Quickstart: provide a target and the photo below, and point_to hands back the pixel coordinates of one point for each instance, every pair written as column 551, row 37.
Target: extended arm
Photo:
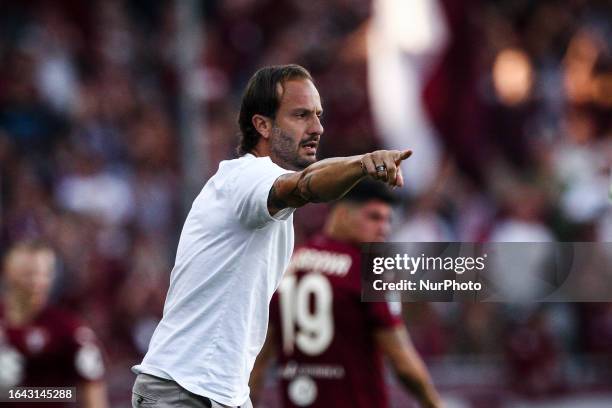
column 396, row 345
column 330, row 179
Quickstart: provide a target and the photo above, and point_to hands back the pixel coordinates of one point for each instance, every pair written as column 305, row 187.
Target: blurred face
column 369, row 222
column 297, row 127
column 30, row 274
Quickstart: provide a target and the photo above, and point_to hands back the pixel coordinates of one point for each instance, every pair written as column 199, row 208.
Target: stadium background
column 114, row 113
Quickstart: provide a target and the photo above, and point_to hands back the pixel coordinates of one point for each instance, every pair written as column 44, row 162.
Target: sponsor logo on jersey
column 321, row 371
column 302, row 391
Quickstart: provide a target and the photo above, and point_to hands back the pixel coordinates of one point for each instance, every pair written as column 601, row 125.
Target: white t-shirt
column 230, row 258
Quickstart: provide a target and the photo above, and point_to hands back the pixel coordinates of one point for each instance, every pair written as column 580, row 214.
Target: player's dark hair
column 261, row 97
column 367, row 190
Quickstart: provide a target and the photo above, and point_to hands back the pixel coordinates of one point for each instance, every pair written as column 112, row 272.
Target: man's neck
column 260, row 150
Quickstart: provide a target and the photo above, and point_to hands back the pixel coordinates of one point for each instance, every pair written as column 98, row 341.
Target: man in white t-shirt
column 237, row 241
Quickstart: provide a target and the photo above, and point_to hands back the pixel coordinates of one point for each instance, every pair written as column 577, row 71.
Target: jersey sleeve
column 252, row 184
column 87, row 357
column 383, row 315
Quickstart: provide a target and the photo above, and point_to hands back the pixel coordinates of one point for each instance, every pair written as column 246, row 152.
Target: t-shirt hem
column 284, row 214
column 141, row 369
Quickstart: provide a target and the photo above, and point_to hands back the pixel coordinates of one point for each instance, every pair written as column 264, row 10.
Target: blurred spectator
column 40, row 345
column 534, row 357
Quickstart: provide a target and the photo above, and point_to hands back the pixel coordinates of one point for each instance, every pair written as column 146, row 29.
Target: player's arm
column 263, row 360
column 88, row 366
column 397, row 346
column 93, row 394
column 330, row 179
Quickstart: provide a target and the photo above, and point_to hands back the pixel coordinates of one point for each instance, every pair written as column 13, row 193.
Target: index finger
column 404, row 155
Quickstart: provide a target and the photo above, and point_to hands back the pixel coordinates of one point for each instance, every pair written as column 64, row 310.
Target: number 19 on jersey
column 310, row 329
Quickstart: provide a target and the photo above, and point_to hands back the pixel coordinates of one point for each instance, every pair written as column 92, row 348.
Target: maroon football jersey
column 327, row 353
column 54, row 350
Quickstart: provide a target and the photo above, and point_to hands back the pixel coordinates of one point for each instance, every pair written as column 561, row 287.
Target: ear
column 263, row 125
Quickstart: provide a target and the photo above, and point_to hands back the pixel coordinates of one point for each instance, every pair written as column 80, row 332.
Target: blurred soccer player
column 330, row 344
column 41, row 345
column 238, row 239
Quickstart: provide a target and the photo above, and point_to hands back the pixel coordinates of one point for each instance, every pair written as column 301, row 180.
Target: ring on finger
column 381, row 168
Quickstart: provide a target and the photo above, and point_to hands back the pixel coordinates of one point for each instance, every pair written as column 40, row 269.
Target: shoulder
column 262, row 164
column 246, row 169
column 248, row 161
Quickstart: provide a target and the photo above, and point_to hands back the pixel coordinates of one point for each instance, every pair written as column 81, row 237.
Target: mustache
column 310, row 139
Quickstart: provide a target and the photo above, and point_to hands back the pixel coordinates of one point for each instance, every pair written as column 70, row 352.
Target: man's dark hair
column 367, row 190
column 261, row 98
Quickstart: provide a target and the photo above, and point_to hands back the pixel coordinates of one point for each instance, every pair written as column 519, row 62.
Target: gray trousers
column 155, row 392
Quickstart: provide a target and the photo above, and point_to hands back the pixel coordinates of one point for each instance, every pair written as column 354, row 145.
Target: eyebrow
column 306, row 110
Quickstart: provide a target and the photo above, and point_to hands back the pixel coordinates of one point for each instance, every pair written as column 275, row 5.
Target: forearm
column 413, row 374
column 258, row 375
column 330, row 179
column 263, row 360
column 256, row 382
column 94, row 395
column 422, row 389
column 408, row 365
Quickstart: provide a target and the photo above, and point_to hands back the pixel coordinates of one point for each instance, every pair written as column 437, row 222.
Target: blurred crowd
column 520, row 99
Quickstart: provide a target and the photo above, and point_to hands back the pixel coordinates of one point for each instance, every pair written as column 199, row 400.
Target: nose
column 40, row 285
column 316, row 128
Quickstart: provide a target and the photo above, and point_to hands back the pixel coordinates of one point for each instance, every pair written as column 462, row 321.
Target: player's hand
column 384, row 165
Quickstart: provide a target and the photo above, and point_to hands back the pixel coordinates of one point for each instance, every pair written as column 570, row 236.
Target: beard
column 284, row 147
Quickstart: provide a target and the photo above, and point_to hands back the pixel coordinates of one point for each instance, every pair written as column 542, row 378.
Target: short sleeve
column 383, row 315
column 88, row 360
column 252, row 184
